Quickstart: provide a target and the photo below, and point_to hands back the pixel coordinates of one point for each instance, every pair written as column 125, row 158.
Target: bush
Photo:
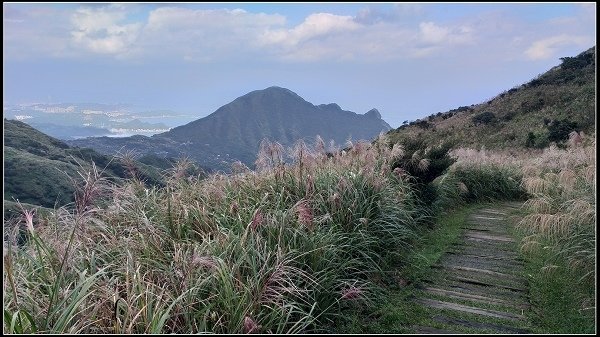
column 510, row 115
column 577, row 62
column 484, row 118
column 423, row 164
column 530, row 141
column 477, row 184
column 559, row 130
column 538, row 141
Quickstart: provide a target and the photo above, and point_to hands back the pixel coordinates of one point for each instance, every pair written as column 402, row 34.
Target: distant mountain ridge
column 235, row 130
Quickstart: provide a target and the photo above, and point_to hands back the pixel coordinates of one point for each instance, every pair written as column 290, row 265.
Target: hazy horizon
column 408, row 61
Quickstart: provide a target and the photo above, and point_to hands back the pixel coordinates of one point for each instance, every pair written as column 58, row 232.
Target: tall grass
column 276, row 250
column 558, row 185
column 560, row 235
column 478, row 176
column 561, row 212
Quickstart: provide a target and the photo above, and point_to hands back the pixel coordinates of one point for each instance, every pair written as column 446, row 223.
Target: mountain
column 235, row 130
column 544, row 110
column 37, row 167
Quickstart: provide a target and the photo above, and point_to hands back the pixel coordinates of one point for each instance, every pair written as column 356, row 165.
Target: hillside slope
column 37, row 167
column 534, row 114
column 235, row 130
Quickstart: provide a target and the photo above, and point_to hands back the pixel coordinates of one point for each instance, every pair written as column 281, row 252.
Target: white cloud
column 399, row 13
column 203, row 35
column 376, row 33
column 326, row 36
column 314, row 25
column 431, row 33
column 102, row 31
column 548, row 47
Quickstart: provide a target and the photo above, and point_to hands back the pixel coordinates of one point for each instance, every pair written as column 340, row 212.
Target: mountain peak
column 271, row 93
column 330, row 106
column 235, row 130
column 277, row 90
column 373, row 113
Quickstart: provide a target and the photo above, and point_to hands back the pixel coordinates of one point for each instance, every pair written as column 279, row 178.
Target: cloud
column 548, row 47
column 102, row 31
column 33, row 32
column 325, row 36
column 137, row 33
column 314, row 25
column 399, row 13
column 204, row 35
column 431, row 33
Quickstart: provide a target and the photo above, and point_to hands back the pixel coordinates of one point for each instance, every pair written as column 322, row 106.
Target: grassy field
column 331, row 243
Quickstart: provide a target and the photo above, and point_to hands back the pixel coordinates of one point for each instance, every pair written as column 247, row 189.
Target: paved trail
column 477, row 285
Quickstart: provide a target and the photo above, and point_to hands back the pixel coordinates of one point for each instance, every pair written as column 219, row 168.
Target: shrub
column 423, row 164
column 577, row 62
column 484, row 118
column 530, row 141
column 510, row 115
column 489, row 182
column 559, row 130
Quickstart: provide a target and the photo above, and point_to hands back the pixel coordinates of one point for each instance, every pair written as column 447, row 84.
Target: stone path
column 477, row 286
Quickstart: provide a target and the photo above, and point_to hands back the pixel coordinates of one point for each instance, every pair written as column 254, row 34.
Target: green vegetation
column 559, row 229
column 484, row 118
column 422, row 164
column 333, row 243
column 280, row 250
column 42, row 170
column 467, row 183
column 563, row 305
column 393, row 310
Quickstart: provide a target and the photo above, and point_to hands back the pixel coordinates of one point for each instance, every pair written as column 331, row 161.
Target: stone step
column 473, row 310
column 486, row 217
column 485, row 254
column 475, row 261
column 486, row 229
column 476, row 298
column 485, row 283
column 477, row 289
column 502, row 329
column 426, row 330
column 479, row 272
column 483, row 270
column 490, row 237
column 489, row 210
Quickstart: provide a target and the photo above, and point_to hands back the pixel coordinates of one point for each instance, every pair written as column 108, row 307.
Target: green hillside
column 37, row 167
column 544, row 110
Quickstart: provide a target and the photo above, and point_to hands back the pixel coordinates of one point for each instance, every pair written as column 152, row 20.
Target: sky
column 406, row 60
